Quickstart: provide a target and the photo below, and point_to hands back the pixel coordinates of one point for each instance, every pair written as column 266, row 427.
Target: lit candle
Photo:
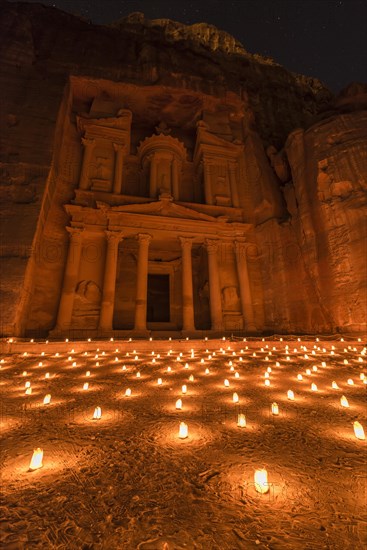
column 128, row 392
column 87, row 373
column 24, row 373
column 28, row 391
column 184, row 388
column 85, row 385
column 183, row 431
column 308, row 371
column 290, row 395
column 313, row 387
column 47, row 375
column 344, row 401
column 334, row 385
column 207, row 371
column 226, row 383
column 299, row 377
column 241, row 421
column 274, row 409
column 358, row 430
column 138, row 374
column 179, row 404
column 159, row 381
column 47, row 399
column 236, row 374
column 97, row 413
column 235, row 398
column 27, row 384
column 267, row 382
column 350, row 382
column 36, row 460
column 191, row 377
column 261, row 481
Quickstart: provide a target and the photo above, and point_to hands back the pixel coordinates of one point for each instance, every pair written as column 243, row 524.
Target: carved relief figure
column 86, row 304
column 231, row 299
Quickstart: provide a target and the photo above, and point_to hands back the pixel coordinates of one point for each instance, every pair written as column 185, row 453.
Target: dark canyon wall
column 303, row 183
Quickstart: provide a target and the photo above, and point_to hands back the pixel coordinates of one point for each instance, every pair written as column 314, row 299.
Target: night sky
column 320, row 38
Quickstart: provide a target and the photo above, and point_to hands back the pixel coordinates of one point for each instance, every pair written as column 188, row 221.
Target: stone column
column 70, row 278
column 175, row 179
column 109, row 281
column 233, row 183
column 119, row 160
column 142, row 283
column 87, row 157
column 153, row 178
column 208, row 182
column 214, row 285
column 245, row 289
column 187, row 288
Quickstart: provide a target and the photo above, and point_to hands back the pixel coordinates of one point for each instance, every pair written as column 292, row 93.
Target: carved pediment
column 165, row 208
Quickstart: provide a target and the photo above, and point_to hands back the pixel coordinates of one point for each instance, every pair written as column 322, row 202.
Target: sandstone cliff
column 308, row 272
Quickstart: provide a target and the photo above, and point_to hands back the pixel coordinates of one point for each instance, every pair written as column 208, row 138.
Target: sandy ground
column 127, row 481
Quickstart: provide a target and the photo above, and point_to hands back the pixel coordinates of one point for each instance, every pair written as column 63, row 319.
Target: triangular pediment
column 164, row 208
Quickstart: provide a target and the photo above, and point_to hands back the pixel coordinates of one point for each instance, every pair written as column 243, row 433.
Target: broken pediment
column 164, row 207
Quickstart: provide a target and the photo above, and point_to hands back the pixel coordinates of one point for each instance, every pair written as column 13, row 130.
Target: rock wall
column 308, row 270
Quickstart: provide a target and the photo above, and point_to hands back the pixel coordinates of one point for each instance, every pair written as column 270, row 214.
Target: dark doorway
column 158, row 299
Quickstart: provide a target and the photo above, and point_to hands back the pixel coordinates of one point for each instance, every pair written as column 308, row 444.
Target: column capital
column 186, row 241
column 119, row 146
column 212, row 245
column 87, row 141
column 74, row 232
column 144, row 238
column 114, row 236
column 241, row 246
column 233, row 164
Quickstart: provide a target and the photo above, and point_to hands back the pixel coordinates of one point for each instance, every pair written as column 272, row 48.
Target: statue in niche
column 323, row 181
column 231, row 298
column 87, row 304
column 103, row 168
column 279, row 163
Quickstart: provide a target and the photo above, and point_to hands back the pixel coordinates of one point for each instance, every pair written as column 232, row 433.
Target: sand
column 127, row 481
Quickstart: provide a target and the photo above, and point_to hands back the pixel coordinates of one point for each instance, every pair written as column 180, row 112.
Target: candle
column 183, row 431
column 226, row 383
column 47, row 399
column 274, row 409
column 358, row 430
column 97, row 413
column 299, row 377
column 290, row 395
column 128, row 392
column 235, row 398
column 241, row 421
column 159, row 381
column 179, row 404
column 36, row 460
column 261, row 481
column 85, row 386
column 344, row 401
column 334, row 385
column 184, row 388
column 313, row 387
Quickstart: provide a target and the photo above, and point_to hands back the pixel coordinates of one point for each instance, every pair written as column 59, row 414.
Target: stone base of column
column 250, row 329
column 190, row 333
column 140, row 333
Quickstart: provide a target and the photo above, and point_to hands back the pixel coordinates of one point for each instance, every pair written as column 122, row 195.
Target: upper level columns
column 109, row 282
column 215, row 297
column 233, row 183
column 208, row 182
column 187, row 287
column 119, row 159
column 70, row 278
column 245, row 289
column 87, row 157
column 142, row 282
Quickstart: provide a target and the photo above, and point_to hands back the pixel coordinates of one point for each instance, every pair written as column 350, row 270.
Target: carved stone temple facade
column 156, row 178
column 149, row 251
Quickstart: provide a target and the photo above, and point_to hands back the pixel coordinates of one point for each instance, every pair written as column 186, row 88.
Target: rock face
column 290, row 179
